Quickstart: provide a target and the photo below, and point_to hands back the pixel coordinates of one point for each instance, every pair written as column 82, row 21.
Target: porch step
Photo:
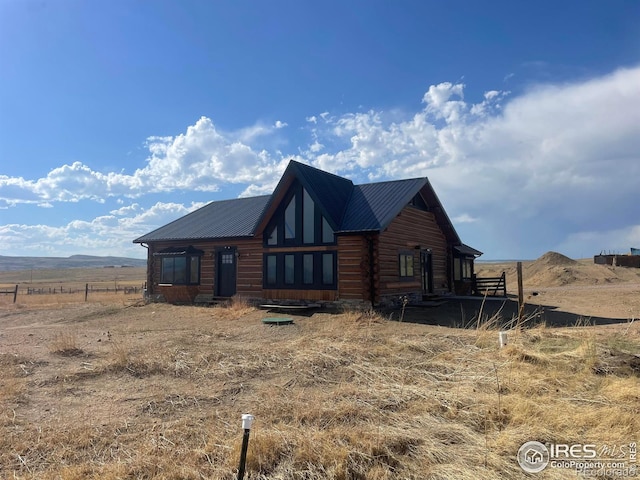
column 288, row 306
column 430, row 297
column 209, row 299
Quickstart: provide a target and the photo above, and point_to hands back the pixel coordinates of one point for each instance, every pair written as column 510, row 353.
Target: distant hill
column 74, row 261
column 556, row 270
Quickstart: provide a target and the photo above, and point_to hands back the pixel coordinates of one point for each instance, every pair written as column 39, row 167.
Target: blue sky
column 117, row 117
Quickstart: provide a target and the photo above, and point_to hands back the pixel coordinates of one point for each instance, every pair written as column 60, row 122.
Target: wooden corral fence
column 8, row 291
column 490, row 285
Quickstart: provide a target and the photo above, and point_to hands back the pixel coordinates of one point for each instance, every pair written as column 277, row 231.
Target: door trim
column 426, row 271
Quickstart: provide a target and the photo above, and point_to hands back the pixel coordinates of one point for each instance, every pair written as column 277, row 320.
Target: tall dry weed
column 65, row 343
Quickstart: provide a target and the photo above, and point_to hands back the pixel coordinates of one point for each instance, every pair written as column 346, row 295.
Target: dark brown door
column 226, row 272
column 426, row 271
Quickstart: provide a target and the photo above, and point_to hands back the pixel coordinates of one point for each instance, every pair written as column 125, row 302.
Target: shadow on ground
column 464, row 313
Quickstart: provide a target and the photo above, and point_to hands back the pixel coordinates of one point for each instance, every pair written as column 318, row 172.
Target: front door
column 426, row 271
column 226, row 272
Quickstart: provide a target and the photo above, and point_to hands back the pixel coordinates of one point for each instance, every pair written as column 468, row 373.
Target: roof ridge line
column 322, row 171
column 392, row 181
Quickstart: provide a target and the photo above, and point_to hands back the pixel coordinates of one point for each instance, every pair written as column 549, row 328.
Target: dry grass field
column 112, row 389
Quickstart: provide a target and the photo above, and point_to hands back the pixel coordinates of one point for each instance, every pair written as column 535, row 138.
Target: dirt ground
column 579, row 287
column 116, row 389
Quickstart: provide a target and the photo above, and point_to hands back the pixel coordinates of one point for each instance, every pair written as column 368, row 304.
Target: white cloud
column 543, row 166
column 199, row 159
column 554, row 159
column 105, row 234
column 464, row 218
column 315, row 147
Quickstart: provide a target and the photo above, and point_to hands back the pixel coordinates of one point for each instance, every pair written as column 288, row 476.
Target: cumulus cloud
column 557, row 157
column 105, row 234
column 540, row 166
column 199, row 159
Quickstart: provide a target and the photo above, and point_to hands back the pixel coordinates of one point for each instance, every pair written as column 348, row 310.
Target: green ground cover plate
column 277, row 321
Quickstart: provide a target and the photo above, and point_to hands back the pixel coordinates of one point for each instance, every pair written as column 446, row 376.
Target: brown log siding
column 249, row 282
column 353, row 267
column 249, row 275
column 410, row 229
column 295, row 294
column 413, row 227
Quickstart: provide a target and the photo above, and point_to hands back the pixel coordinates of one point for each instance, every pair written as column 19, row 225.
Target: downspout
column 372, row 281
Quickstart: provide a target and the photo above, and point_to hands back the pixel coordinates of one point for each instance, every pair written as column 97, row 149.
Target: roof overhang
column 467, row 251
column 178, row 251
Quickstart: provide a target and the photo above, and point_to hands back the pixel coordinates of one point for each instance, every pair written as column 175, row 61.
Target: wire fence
column 87, row 289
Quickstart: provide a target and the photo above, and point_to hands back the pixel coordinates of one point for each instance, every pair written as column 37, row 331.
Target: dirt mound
column 556, row 270
column 552, row 269
column 554, row 259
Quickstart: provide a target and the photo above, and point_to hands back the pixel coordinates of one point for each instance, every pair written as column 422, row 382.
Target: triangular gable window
column 298, row 221
column 327, row 232
column 290, row 220
column 273, row 236
column 308, row 218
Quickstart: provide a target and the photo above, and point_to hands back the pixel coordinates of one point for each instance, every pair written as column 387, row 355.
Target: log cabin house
column 317, row 237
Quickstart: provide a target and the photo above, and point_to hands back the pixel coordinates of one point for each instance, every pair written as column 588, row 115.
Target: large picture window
column 180, row 266
column 328, row 277
column 307, row 268
column 300, row 270
column 289, row 269
column 299, row 221
column 272, row 278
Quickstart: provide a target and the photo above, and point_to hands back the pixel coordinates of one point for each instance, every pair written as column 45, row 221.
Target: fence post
column 247, row 420
column 520, row 293
column 15, row 294
column 86, row 291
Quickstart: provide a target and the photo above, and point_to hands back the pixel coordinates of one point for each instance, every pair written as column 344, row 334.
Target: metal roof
column 178, row 251
column 330, row 191
column 223, row 219
column 351, row 208
column 467, row 250
column 373, row 206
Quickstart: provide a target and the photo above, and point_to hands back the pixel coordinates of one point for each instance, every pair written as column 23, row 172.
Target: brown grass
column 71, row 280
column 159, row 390
column 65, row 344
